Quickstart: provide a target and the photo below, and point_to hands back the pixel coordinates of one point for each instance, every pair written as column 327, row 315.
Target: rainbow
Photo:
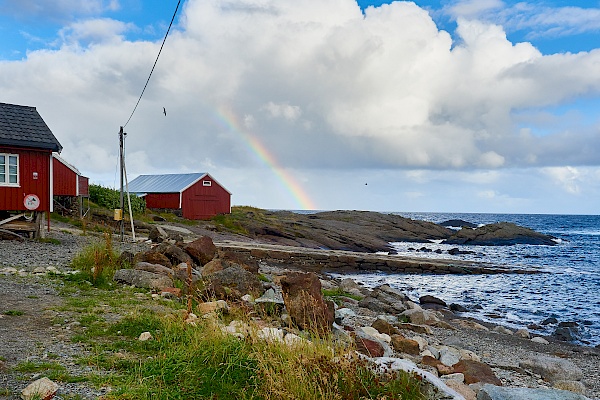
column 287, row 180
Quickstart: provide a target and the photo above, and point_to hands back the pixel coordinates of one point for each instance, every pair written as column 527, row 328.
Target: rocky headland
column 359, row 231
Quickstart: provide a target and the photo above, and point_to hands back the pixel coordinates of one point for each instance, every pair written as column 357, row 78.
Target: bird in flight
column 165, row 111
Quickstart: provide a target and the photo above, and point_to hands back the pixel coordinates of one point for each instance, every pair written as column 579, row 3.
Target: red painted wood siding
column 64, row 179
column 204, row 202
column 84, row 186
column 162, row 200
column 30, row 161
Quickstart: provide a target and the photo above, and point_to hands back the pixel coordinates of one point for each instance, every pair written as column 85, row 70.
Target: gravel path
column 41, row 334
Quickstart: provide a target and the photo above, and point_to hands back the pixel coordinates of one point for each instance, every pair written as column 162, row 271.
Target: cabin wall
column 34, row 178
column 203, row 202
column 64, row 179
column 84, row 186
column 162, row 200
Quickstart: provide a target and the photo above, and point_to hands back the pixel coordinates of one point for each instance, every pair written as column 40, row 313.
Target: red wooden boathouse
column 196, row 195
column 26, row 146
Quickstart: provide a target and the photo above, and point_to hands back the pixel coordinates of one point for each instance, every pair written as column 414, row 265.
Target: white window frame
column 206, row 183
column 7, row 173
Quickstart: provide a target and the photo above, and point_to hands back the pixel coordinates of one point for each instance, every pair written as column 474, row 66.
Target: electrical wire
column 155, row 61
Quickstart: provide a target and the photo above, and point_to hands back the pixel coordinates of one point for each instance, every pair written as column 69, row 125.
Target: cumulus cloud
column 317, row 84
column 568, row 178
column 94, row 31
column 283, row 110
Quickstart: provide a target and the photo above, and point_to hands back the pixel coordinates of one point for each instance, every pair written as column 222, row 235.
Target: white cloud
column 383, row 90
column 568, row 178
column 539, row 19
column 487, row 194
column 284, row 110
column 473, row 8
column 94, row 31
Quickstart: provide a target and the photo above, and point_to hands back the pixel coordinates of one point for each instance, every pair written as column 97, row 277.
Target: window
column 9, row 169
column 206, row 183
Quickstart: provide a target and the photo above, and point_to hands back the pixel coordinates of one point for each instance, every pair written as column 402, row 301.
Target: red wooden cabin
column 67, row 180
column 196, row 195
column 26, row 146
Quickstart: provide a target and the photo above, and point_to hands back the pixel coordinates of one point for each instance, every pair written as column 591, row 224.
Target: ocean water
column 568, row 289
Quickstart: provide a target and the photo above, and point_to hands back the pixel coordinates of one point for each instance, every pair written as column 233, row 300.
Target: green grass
column 15, row 313
column 49, row 240
column 52, row 370
column 336, row 293
column 97, row 263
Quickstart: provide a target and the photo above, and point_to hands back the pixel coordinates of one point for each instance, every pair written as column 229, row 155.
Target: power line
column 149, row 76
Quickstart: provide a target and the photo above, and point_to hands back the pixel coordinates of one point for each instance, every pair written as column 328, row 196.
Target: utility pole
column 121, row 169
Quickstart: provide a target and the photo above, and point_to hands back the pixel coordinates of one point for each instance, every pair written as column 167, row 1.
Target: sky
column 426, row 106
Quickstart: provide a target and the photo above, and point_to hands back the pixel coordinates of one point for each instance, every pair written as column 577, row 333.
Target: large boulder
column 202, row 250
column 305, row 303
column 154, row 268
column 174, row 253
column 475, row 371
column 236, row 258
column 157, row 234
column 143, row 279
column 233, row 283
column 152, row 257
column 552, row 368
column 499, row 234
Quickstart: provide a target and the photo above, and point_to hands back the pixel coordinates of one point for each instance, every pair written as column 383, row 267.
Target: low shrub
column 97, row 263
column 111, row 199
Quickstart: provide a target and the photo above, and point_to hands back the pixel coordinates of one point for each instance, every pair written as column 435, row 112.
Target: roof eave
column 56, row 147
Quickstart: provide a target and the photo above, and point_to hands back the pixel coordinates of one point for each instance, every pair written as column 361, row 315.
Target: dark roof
column 23, row 126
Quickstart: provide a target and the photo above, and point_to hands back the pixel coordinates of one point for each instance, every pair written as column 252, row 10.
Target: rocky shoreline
column 425, row 330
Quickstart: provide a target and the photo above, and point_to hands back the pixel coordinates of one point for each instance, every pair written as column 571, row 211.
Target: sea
column 567, row 287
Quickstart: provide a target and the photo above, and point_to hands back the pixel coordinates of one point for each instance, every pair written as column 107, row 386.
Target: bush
column 97, row 262
column 111, row 198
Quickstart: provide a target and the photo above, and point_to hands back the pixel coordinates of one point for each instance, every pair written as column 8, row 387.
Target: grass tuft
column 97, row 263
column 14, row 313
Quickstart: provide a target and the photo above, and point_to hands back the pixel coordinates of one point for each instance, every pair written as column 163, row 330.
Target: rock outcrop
column 365, row 231
column 499, row 234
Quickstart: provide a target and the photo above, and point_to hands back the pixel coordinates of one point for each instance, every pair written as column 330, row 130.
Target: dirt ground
column 26, row 336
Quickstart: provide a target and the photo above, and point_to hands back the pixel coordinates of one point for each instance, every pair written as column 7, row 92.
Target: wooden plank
column 4, row 221
column 20, row 226
column 8, row 235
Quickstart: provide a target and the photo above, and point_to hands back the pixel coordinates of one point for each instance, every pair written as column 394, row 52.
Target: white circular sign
column 31, row 202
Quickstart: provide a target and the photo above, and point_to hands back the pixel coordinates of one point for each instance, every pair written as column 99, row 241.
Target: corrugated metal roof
column 169, row 183
column 23, row 126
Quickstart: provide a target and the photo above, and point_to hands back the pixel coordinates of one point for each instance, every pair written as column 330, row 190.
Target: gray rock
column 376, row 305
column 157, row 234
column 154, row 268
column 270, row 302
column 499, row 234
column 492, row 392
column 552, row 368
column 142, row 279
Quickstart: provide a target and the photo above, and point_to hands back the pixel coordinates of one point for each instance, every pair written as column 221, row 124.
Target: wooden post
column 189, row 282
column 122, row 203
column 37, row 234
